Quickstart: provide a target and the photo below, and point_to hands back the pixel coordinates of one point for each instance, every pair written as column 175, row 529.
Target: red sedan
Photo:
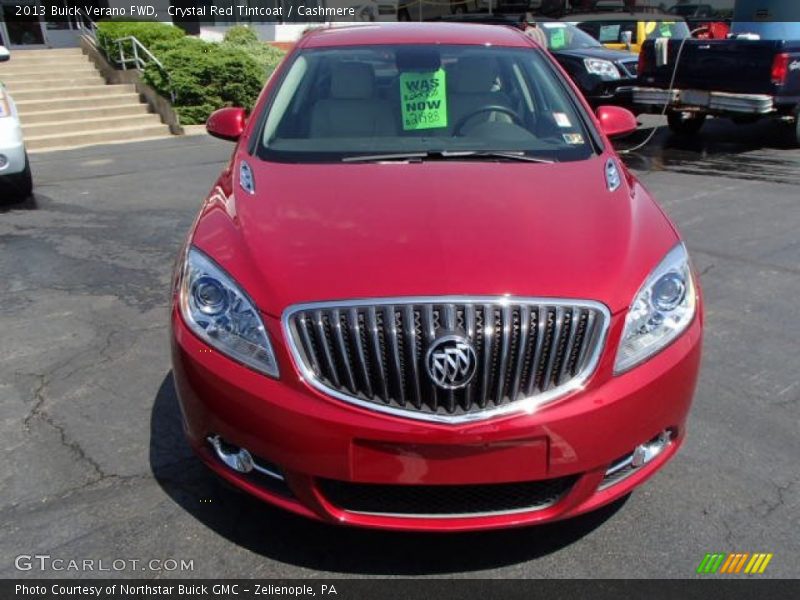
column 425, row 293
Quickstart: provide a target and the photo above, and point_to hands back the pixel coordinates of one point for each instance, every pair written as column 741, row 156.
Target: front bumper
column 620, row 96
column 705, row 101
column 314, row 440
column 11, row 146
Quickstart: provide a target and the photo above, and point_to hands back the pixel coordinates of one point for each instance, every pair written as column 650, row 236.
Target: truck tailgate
column 739, row 66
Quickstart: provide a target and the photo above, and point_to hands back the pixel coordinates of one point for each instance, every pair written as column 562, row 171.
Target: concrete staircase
column 63, row 102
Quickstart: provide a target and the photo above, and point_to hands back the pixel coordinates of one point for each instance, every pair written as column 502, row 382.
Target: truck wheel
column 797, row 125
column 19, row 185
column 685, row 123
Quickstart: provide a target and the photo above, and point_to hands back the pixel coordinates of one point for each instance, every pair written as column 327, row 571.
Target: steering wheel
column 489, row 108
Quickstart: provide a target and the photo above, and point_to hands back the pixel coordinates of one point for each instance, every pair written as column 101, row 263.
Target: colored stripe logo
column 734, row 563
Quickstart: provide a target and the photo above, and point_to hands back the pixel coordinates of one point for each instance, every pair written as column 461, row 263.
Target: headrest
column 474, row 75
column 352, row 80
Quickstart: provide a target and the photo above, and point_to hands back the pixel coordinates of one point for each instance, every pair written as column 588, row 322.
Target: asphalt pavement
column 95, row 466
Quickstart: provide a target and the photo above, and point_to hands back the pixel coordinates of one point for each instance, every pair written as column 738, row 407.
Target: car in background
column 700, row 11
column 425, row 293
column 16, row 182
column 628, row 31
column 753, row 75
column 604, row 76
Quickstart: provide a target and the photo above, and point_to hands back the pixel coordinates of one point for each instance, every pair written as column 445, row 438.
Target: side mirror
column 616, row 121
column 227, row 123
column 4, row 54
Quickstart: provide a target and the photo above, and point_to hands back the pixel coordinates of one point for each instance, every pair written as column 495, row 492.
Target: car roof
column 620, row 16
column 416, row 33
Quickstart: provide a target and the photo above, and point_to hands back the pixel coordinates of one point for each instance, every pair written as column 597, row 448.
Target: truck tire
column 683, row 123
column 797, row 126
column 19, row 185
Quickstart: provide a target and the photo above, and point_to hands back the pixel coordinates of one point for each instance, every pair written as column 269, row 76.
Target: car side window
column 611, row 32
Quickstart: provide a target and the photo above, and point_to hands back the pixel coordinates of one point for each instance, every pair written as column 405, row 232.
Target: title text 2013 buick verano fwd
column 426, row 294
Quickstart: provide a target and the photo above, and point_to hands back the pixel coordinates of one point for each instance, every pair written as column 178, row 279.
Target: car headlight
column 661, row 310
column 604, row 68
column 220, row 313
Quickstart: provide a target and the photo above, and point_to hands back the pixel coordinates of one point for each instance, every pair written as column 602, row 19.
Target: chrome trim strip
column 525, row 405
column 573, row 328
column 494, row 513
column 267, row 472
column 342, row 349
column 410, row 347
column 620, row 465
column 361, row 353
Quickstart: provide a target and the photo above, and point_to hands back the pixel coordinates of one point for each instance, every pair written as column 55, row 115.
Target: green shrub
column 149, row 33
column 265, row 55
column 205, row 76
column 239, row 34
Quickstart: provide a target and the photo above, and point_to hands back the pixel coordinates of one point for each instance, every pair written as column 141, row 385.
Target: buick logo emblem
column 451, row 362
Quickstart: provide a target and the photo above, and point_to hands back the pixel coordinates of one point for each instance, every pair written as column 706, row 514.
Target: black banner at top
column 300, row 11
column 288, row 11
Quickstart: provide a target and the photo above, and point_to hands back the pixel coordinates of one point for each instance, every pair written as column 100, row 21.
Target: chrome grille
column 372, row 353
column 631, row 68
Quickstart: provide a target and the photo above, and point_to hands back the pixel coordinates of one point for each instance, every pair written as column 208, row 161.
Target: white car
column 15, row 170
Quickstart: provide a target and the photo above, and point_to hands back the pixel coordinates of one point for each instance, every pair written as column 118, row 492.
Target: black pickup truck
column 744, row 78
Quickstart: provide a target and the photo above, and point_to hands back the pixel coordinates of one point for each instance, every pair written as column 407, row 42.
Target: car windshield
column 444, row 101
column 690, row 10
column 667, row 29
column 561, row 36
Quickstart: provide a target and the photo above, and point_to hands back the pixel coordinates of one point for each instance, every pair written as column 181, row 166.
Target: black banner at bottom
column 404, row 589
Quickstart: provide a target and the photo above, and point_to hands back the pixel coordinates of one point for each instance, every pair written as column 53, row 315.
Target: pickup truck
column 745, row 78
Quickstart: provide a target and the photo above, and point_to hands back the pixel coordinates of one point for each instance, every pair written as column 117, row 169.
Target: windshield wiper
column 447, row 155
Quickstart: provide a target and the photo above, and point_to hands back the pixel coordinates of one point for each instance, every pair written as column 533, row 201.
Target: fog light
column 236, row 458
column 641, row 455
column 3, row 161
column 646, row 452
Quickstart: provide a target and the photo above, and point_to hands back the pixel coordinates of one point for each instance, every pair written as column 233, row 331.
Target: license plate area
column 491, row 462
column 695, row 98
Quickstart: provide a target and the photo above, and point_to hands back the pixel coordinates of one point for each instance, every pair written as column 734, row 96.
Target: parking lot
column 95, row 462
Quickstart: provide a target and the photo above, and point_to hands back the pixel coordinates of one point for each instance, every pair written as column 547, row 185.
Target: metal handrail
column 140, row 52
column 87, row 27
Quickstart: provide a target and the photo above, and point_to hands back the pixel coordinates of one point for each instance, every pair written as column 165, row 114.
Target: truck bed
column 735, row 66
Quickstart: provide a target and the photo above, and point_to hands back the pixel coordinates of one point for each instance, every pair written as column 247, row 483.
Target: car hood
column 315, row 232
column 602, row 53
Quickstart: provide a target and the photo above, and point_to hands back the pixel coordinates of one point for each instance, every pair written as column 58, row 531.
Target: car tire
column 683, row 123
column 19, row 185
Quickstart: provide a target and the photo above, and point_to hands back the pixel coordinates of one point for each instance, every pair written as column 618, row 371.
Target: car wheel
column 685, row 123
column 19, row 185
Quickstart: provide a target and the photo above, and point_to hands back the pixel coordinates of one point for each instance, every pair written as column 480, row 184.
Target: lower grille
column 376, row 353
column 445, row 500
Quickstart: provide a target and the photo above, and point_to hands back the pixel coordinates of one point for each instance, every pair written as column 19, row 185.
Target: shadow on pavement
column 721, row 148
column 32, row 202
column 290, row 539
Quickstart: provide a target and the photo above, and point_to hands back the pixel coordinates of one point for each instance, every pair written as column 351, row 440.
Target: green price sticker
column 666, row 31
column 423, row 100
column 558, row 38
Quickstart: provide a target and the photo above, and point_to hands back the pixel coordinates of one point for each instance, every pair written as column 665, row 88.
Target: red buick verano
column 426, row 294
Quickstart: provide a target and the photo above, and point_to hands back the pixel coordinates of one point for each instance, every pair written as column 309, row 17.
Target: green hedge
column 148, row 33
column 205, row 75
column 265, row 55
